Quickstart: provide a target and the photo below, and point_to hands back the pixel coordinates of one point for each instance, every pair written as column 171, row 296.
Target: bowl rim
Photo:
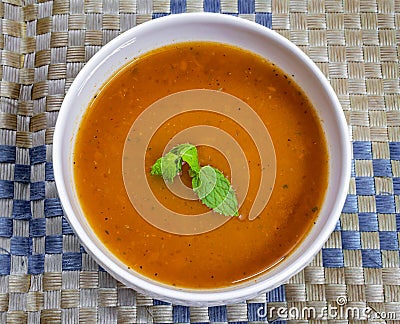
column 205, row 297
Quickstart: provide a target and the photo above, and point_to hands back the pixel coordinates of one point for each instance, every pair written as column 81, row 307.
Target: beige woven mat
column 44, row 274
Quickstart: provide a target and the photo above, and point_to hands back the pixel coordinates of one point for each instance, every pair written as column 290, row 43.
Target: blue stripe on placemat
column 371, row 258
column 218, row 313
column 388, row 240
column 365, row 185
column 351, row 204
column 22, row 173
column 36, row 264
column 5, row 264
column 385, row 204
column 264, row 19
column 54, row 244
column 246, row 6
column 156, row 15
column 37, row 227
column 7, row 154
column 257, row 312
column 396, row 185
column 6, row 189
column 49, row 171
column 177, row 6
column 276, row 295
column 362, row 150
column 368, row 222
column 6, row 227
column 37, row 154
column 38, row 190
column 52, row 207
column 398, row 222
column 338, row 226
column 353, row 168
column 66, row 228
column 332, row 258
column 21, row 209
column 157, row 302
column 351, row 240
column 382, row 167
column 212, row 6
column 394, row 149
column 180, row 314
column 71, row 261
column 20, row 245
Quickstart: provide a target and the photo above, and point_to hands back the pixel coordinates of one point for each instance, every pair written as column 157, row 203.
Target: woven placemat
column 45, row 275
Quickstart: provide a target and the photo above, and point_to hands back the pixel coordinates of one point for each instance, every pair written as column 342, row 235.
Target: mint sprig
column 211, row 186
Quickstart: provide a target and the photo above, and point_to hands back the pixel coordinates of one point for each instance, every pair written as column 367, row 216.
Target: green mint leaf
column 210, row 185
column 156, row 168
column 215, row 191
column 168, row 166
column 188, row 153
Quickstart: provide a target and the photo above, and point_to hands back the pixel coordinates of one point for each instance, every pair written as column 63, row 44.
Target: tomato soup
column 241, row 248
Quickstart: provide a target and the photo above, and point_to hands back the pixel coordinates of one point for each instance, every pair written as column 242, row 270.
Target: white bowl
column 217, row 28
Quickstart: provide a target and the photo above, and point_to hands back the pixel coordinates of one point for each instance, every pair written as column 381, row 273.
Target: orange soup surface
column 240, row 249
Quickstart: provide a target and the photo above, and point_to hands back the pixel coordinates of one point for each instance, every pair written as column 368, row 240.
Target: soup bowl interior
column 222, row 29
